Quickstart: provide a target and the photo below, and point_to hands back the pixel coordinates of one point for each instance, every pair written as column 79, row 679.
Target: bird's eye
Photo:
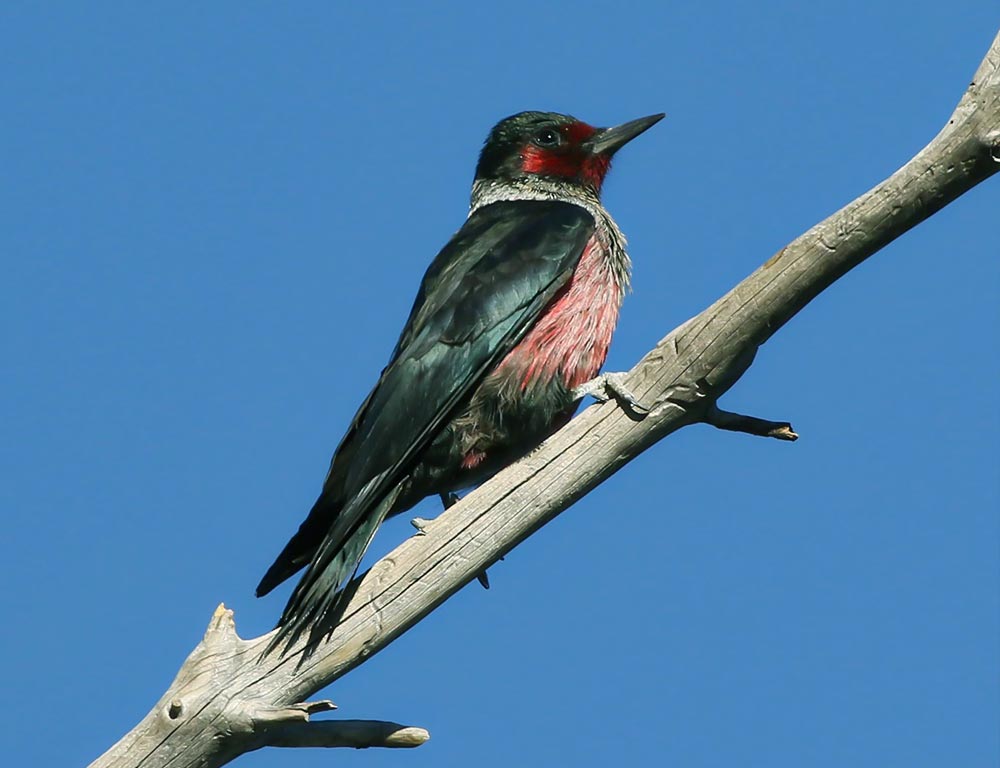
column 547, row 138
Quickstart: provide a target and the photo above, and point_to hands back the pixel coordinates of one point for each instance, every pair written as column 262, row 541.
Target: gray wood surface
column 227, row 699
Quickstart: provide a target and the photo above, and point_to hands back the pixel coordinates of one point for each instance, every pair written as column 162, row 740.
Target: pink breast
column 571, row 338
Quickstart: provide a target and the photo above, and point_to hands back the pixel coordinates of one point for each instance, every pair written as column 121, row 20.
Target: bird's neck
column 486, row 191
column 609, row 236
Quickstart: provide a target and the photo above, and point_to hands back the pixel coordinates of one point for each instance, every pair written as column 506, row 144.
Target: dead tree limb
column 228, row 699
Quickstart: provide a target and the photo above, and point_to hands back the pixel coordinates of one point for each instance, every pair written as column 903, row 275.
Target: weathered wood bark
column 229, row 699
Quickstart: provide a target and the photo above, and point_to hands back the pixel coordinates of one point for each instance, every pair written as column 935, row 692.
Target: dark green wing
column 482, row 293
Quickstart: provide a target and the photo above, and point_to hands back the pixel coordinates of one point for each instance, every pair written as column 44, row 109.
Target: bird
column 509, row 329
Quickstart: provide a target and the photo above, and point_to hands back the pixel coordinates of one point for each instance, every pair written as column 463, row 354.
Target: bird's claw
column 421, row 524
column 484, row 578
column 608, row 386
column 450, row 499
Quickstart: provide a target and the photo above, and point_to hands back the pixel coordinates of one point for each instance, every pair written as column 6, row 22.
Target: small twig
column 737, row 422
column 359, row 734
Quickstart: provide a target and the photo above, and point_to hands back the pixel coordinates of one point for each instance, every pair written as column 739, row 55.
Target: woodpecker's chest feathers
column 569, row 343
column 530, row 391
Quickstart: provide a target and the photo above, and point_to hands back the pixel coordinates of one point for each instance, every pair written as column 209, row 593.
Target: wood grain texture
column 228, row 699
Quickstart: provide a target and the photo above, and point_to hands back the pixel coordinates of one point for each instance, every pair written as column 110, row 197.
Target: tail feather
column 318, row 597
column 302, row 547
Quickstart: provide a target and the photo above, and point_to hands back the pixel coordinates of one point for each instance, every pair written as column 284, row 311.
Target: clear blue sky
column 214, row 219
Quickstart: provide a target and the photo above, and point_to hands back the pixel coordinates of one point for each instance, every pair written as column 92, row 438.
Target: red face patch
column 577, row 133
column 569, row 160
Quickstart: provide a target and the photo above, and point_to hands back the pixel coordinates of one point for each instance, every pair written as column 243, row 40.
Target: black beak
column 610, row 140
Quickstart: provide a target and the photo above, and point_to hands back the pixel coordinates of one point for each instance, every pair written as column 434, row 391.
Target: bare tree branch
column 737, row 422
column 229, row 699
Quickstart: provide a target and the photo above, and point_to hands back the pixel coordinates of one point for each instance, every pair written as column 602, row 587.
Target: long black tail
column 302, row 547
column 315, row 604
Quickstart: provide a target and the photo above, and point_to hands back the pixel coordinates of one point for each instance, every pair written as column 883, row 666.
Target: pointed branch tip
column 221, row 625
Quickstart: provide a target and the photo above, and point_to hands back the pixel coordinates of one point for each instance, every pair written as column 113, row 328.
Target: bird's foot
column 608, row 386
column 450, row 499
column 422, row 524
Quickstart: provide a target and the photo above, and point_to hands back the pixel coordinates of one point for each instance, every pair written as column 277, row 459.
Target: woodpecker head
column 531, row 145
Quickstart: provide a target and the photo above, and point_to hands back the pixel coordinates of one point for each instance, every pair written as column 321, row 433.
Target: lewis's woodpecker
column 513, row 316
